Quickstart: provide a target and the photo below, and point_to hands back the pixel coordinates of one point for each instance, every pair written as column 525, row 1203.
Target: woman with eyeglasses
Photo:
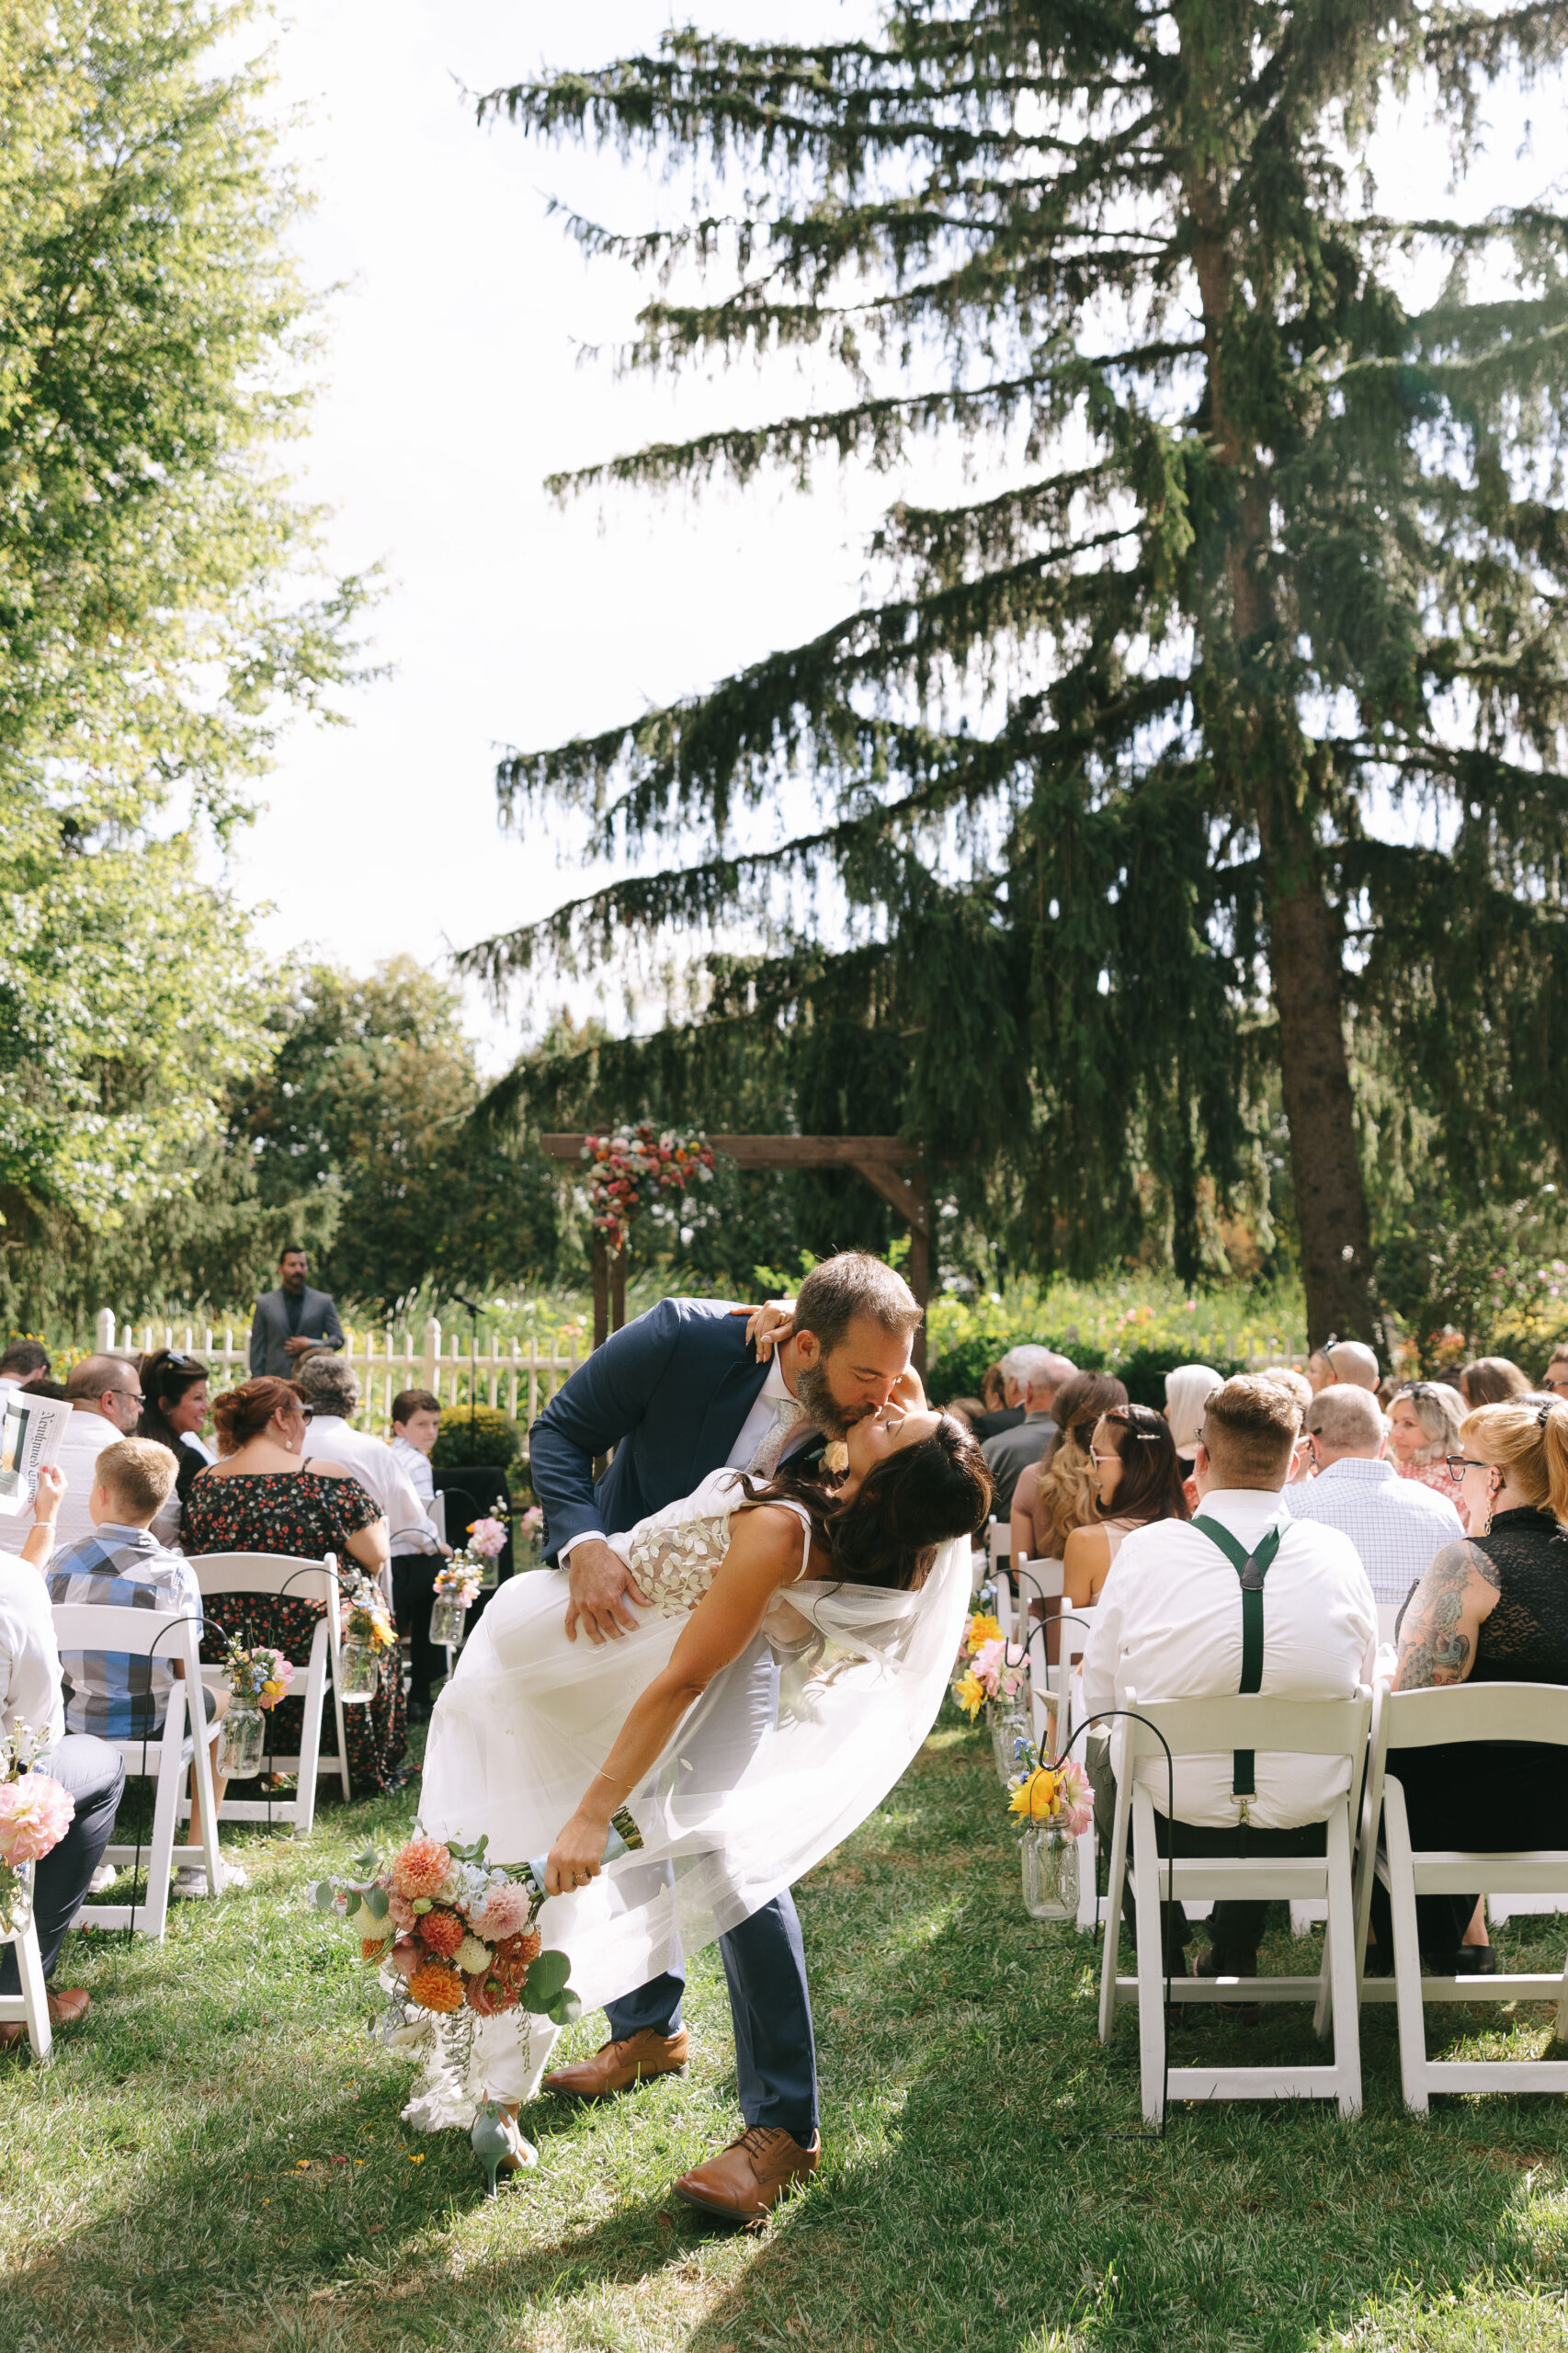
column 1056, row 1496
column 175, row 1406
column 1491, row 1610
column 261, row 1496
column 1424, row 1430
column 1136, row 1479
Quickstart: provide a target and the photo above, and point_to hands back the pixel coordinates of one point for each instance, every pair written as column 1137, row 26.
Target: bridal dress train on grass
column 786, row 1752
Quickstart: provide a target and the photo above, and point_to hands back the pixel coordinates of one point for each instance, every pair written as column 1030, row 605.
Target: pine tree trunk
column 1331, row 1200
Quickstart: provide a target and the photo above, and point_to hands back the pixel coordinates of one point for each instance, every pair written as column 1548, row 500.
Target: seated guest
column 1134, row 1466
column 1492, row 1608
column 106, row 1399
column 122, row 1565
column 1168, row 1626
column 1348, row 1362
column 1188, row 1390
column 415, row 1426
column 331, row 1389
column 1424, row 1430
column 1396, row 1526
column 1491, row 1381
column 1057, row 1495
column 89, row 1769
column 174, row 1388
column 1554, row 1379
column 1005, row 1380
column 259, row 1496
column 25, row 1362
column 1011, row 1451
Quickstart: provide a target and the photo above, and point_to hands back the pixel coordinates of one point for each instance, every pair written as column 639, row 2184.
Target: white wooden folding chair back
column 999, row 1549
column 185, row 1738
column 436, row 1511
column 278, row 1576
column 1037, row 1581
column 1326, row 1728
column 28, row 2009
column 1536, row 1713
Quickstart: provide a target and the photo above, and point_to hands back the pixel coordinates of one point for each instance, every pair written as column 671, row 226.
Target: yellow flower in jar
column 983, row 1628
column 969, row 1695
column 1034, row 1797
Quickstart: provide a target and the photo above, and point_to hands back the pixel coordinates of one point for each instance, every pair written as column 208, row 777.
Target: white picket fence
column 518, row 1380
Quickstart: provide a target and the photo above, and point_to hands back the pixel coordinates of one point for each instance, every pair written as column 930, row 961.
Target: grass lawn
column 217, row 2160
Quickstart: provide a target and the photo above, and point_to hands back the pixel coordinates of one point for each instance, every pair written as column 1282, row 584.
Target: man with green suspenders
column 1238, row 1598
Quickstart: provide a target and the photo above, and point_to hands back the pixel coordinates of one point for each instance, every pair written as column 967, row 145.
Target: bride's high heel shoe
column 499, row 2146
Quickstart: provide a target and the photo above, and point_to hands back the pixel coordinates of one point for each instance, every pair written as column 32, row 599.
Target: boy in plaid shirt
column 122, row 1565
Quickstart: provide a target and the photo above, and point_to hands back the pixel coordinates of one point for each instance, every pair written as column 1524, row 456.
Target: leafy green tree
column 157, row 622
column 1102, row 759
column 367, row 1101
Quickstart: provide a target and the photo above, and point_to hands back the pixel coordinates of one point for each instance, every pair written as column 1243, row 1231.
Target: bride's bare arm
column 765, row 1553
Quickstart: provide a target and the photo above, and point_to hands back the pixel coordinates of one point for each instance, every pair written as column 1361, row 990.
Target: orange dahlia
column 420, row 1866
column 442, row 1932
column 436, row 1987
column 373, row 1947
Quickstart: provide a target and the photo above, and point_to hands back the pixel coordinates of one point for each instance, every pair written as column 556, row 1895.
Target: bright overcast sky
column 451, row 385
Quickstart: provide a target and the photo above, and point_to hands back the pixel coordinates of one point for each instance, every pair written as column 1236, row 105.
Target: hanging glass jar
column 447, row 1618
column 1050, row 1857
column 15, row 1898
column 1009, row 1720
column 242, row 1744
column 361, row 1665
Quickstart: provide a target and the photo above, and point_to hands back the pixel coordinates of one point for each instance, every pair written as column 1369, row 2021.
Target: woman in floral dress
column 260, row 1497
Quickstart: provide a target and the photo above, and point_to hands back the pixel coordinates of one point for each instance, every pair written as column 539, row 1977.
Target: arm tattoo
column 1433, row 1649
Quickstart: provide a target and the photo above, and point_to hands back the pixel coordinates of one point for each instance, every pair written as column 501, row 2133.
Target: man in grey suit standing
column 293, row 1320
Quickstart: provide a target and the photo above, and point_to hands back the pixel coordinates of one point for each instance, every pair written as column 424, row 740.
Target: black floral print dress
column 302, row 1514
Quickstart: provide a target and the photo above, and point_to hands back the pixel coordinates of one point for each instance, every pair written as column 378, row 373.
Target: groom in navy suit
column 678, row 1393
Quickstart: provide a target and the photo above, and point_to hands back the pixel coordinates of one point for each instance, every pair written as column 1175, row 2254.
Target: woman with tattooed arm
column 1492, row 1609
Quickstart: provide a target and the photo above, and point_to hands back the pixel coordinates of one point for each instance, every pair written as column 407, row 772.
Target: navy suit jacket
column 669, row 1391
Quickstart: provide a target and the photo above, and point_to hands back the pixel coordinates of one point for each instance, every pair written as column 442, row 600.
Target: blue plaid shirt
column 109, row 1692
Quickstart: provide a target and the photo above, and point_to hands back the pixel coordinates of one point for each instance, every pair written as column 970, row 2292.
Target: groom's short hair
column 853, row 1283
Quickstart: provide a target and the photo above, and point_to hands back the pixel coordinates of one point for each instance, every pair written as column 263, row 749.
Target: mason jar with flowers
column 368, row 1634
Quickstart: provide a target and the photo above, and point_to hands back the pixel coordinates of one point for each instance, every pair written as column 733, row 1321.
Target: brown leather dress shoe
column 616, row 2066
column 752, row 2176
column 68, row 2007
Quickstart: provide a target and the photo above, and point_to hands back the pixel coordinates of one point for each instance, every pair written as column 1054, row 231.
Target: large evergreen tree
column 1275, row 560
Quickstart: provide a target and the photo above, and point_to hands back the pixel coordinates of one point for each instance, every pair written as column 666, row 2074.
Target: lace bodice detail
column 675, row 1565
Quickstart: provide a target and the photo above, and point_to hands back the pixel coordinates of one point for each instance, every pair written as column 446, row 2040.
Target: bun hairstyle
column 241, row 1414
column 1530, row 1443
column 908, row 1505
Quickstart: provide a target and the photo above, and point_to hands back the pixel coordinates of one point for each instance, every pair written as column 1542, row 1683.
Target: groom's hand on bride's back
column 602, row 1589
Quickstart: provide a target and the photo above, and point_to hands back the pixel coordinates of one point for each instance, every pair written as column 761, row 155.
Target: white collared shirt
column 1397, row 1525
column 774, row 1392
column 29, row 1662
column 381, row 1474
column 417, row 1465
column 1168, row 1626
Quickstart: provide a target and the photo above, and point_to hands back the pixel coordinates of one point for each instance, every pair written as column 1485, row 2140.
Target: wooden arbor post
column 880, row 1160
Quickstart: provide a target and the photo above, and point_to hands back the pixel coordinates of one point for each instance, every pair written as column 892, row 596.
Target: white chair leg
column 1115, row 1883
column 1339, row 1942
column 305, row 1808
column 205, row 1734
column 1151, row 1958
column 1406, row 1950
column 34, row 1994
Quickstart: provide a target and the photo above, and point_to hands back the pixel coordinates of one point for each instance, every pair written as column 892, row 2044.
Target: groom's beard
column 823, row 1409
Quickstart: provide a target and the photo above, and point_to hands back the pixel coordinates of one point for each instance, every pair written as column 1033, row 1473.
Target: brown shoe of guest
column 616, row 2066
column 752, row 2176
column 68, row 2007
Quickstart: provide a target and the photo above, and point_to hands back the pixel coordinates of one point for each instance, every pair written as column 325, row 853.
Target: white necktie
column 787, row 1415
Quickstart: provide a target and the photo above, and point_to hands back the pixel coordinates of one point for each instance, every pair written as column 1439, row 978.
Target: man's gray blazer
column 270, row 1330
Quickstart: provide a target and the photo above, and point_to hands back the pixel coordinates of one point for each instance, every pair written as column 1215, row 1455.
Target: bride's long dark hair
column 907, row 1505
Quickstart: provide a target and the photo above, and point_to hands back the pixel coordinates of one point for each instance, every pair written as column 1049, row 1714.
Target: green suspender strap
column 1252, row 1568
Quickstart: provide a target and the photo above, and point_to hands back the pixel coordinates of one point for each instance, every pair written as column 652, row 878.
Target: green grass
column 217, row 2160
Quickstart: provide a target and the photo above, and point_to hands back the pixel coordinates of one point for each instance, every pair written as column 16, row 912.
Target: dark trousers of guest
column 1236, row 1923
column 94, row 1776
column 765, row 1961
column 414, row 1593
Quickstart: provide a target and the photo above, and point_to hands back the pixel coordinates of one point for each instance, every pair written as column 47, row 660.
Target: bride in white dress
column 738, row 1781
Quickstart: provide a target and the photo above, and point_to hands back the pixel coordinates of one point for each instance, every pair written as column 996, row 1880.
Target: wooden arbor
column 880, row 1160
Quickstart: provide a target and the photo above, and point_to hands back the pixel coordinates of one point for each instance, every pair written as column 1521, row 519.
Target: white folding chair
column 1435, row 1719
column 168, row 1636
column 30, row 2007
column 274, row 1574
column 999, row 1551
column 436, row 1508
column 1202, row 1728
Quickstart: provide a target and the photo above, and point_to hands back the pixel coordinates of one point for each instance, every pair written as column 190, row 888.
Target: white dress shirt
column 381, row 1474
column 1168, row 1626
column 82, row 1441
column 417, row 1465
column 774, row 1392
column 29, row 1662
column 1397, row 1526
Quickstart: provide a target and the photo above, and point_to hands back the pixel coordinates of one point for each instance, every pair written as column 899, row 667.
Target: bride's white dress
column 785, row 1754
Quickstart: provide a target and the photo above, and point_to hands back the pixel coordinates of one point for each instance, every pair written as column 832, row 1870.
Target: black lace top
column 1525, row 1639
